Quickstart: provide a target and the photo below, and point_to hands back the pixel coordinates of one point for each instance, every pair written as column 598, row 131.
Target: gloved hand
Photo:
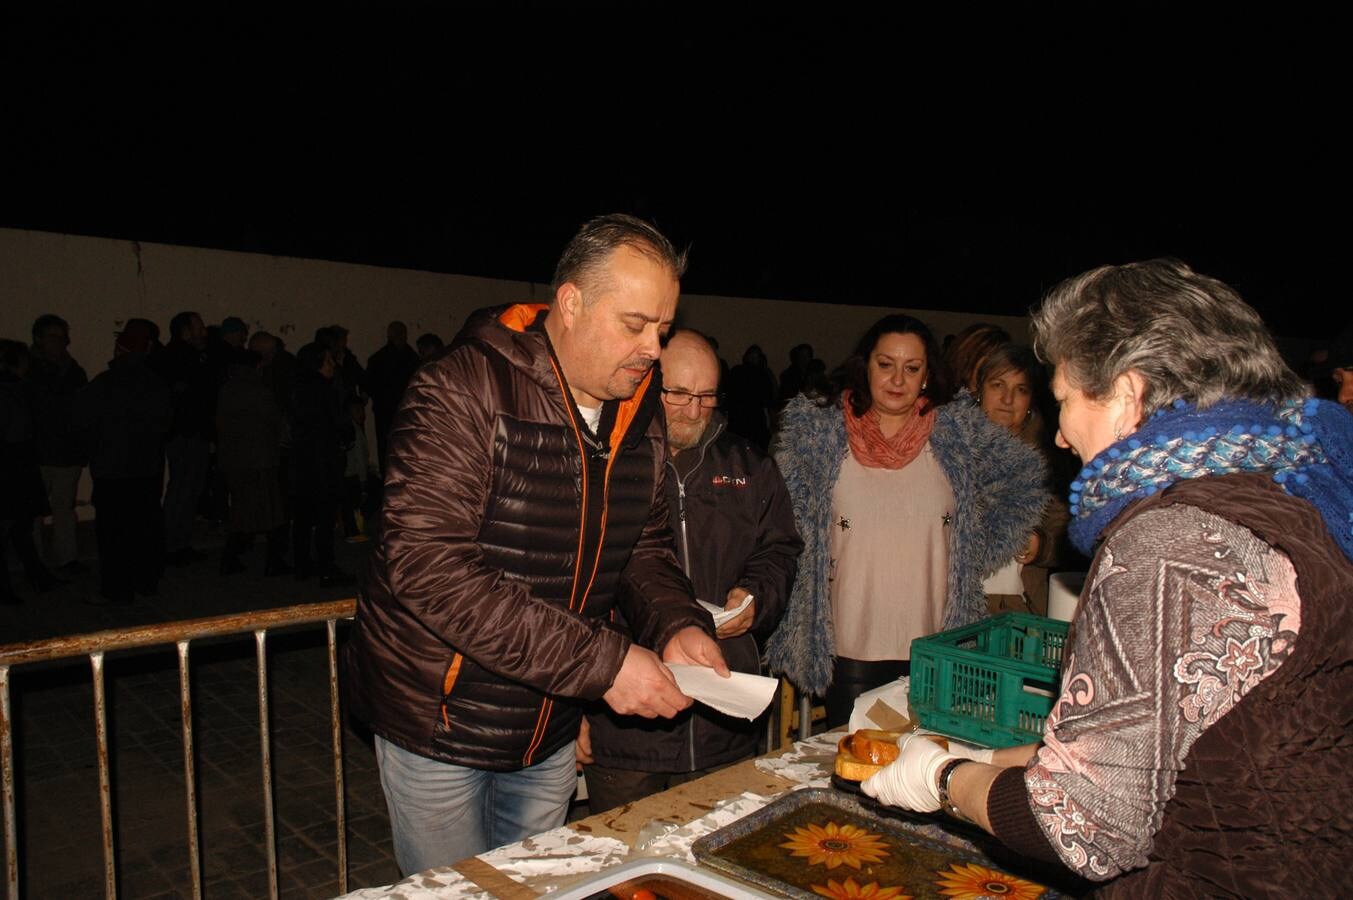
column 967, row 751
column 909, row 782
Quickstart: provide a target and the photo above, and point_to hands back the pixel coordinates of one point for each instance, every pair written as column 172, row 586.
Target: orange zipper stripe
column 624, row 416
column 582, row 451
column 542, row 720
column 452, row 673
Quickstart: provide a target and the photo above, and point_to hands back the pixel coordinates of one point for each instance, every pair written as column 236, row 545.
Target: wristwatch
column 947, row 803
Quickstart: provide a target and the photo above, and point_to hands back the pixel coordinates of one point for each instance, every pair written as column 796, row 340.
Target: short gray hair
column 585, row 255
column 1191, row 336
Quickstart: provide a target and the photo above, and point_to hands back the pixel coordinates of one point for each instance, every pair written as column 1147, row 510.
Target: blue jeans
column 442, row 813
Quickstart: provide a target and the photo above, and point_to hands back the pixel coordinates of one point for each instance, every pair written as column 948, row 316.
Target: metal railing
column 180, row 633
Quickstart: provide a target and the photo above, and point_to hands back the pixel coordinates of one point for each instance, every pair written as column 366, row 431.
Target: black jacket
column 734, row 527
column 54, row 389
column 22, row 494
column 321, row 430
column 388, row 371
column 191, row 386
column 127, row 410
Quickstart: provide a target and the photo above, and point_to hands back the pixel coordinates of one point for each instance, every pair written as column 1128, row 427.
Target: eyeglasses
column 684, row 398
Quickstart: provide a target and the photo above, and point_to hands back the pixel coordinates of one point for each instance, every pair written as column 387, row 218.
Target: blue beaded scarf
column 1306, row 444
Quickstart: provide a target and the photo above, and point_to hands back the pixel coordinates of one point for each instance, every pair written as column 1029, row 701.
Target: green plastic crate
column 991, row 683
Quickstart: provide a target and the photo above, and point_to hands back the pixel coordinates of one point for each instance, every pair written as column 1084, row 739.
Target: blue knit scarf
column 1306, row 444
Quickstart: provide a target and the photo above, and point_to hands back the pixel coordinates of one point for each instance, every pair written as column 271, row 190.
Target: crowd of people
column 215, row 422
column 563, row 486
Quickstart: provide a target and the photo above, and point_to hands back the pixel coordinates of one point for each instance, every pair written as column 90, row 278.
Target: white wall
column 96, row 284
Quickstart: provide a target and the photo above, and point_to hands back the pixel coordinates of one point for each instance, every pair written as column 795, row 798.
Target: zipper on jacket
column 681, row 499
column 691, row 740
column 686, row 557
column 681, row 518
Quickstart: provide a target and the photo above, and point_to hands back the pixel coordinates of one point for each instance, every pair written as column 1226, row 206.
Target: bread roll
column 863, row 753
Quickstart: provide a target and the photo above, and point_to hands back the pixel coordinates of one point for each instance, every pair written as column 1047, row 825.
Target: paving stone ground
column 56, row 766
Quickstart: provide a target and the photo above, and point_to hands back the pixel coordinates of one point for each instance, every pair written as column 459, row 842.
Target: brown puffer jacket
column 507, row 533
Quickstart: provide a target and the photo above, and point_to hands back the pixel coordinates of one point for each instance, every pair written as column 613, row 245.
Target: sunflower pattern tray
column 816, row 843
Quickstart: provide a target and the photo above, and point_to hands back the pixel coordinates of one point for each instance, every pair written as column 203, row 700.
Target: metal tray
column 904, row 851
column 701, row 879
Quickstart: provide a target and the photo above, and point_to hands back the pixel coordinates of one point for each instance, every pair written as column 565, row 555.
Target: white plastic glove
column 909, row 782
column 967, row 751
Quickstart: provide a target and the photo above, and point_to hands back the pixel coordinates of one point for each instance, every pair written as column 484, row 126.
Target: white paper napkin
column 722, row 615
column 740, row 694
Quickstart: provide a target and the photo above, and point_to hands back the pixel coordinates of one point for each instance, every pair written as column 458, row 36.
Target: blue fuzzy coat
column 999, row 497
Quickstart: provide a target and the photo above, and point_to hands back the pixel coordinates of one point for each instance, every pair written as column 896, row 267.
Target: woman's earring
column 923, row 385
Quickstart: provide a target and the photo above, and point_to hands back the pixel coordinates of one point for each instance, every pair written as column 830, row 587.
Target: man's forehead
column 628, row 271
column 689, row 362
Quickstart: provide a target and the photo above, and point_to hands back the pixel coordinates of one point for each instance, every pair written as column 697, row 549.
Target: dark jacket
column 321, row 432
column 54, row 389
column 734, row 527
column 350, row 378
column 387, row 374
column 192, row 386
column 22, row 494
column 127, row 411
column 248, row 424
column 507, row 533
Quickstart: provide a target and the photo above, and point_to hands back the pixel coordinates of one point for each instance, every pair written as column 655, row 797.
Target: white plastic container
column 1064, row 591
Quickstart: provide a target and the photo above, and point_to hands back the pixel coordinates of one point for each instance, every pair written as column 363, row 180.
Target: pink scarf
column 875, row 451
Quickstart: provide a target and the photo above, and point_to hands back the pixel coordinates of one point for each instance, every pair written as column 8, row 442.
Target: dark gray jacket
column 734, row 527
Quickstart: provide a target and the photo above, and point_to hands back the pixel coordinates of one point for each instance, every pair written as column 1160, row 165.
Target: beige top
column 889, row 556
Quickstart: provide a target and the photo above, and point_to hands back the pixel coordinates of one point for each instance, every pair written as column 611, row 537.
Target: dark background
column 841, row 156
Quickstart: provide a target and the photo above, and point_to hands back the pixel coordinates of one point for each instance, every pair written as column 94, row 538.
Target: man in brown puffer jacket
column 524, row 490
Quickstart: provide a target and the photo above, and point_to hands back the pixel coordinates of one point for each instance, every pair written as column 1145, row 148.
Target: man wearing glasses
column 735, row 537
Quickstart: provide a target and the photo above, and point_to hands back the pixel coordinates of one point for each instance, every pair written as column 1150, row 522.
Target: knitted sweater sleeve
column 1185, row 614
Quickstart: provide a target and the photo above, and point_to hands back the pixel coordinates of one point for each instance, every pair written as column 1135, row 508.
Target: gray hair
column 1190, row 336
column 586, row 255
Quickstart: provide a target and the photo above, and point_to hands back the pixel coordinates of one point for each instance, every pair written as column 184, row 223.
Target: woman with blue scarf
column 1202, row 744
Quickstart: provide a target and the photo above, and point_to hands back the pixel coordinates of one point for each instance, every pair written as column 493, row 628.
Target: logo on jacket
column 729, row 481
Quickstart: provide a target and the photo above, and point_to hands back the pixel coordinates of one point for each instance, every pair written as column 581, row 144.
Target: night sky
column 832, row 157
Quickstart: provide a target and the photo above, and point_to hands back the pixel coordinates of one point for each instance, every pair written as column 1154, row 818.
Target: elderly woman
column 1201, row 743
column 904, row 506
column 1008, row 383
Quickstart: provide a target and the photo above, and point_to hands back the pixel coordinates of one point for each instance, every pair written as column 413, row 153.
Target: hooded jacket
column 509, row 531
column 734, row 527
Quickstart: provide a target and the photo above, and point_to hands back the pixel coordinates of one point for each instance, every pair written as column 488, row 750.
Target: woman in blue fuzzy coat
column 905, row 503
